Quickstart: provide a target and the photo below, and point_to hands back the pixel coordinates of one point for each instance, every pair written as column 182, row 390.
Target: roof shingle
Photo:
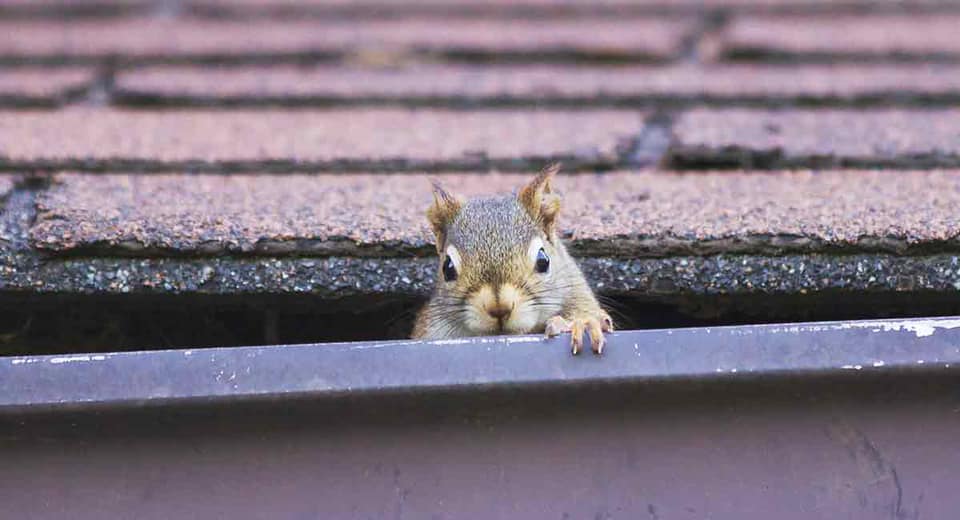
column 6, row 184
column 162, row 39
column 623, row 214
column 311, row 139
column 41, row 86
column 741, row 138
column 860, row 36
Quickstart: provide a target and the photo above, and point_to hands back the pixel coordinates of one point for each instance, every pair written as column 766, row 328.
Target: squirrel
column 503, row 270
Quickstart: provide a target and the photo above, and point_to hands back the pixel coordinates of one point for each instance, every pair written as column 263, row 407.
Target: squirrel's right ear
column 445, row 206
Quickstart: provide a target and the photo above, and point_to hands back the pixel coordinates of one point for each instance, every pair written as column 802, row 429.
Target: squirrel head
column 502, row 269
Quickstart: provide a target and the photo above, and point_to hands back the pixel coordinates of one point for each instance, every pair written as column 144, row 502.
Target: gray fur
column 493, row 236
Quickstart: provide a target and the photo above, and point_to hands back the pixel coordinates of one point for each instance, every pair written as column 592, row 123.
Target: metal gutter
column 854, row 420
column 241, row 374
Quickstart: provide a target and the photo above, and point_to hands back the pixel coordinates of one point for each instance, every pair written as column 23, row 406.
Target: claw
column 595, row 326
column 607, row 323
column 557, row 325
column 596, row 335
column 576, row 336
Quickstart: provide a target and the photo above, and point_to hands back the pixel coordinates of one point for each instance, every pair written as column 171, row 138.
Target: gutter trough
column 852, row 419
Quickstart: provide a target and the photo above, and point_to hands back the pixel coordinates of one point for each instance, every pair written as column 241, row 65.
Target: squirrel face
column 501, row 269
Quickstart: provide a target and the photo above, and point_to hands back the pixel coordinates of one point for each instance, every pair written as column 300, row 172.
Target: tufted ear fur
column 540, row 202
column 444, row 208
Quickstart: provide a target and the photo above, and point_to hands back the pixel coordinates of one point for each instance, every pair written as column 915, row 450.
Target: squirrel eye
column 543, row 261
column 449, row 271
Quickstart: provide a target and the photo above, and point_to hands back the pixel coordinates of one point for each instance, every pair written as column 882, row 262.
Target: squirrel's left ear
column 445, row 206
column 540, row 201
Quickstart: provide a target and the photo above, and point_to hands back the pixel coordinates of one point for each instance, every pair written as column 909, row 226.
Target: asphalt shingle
column 312, row 139
column 164, row 39
column 853, row 36
column 622, row 214
column 742, row 138
column 36, row 86
column 6, row 184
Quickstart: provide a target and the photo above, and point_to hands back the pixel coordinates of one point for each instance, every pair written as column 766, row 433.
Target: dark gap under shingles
column 143, row 100
column 480, row 164
column 307, row 58
column 696, row 158
column 72, row 10
column 519, row 10
column 437, row 11
column 119, row 60
column 765, row 55
column 711, row 24
column 664, row 247
column 652, row 143
column 28, row 102
column 60, row 324
column 132, row 99
column 100, row 91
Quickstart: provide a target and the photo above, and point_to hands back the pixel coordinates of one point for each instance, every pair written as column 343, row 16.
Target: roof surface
column 275, row 147
column 619, row 214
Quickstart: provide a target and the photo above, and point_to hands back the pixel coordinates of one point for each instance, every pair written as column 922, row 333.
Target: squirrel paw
column 596, row 325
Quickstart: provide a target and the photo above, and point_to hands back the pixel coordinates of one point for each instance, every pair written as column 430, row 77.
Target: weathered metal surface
column 743, row 426
column 350, row 369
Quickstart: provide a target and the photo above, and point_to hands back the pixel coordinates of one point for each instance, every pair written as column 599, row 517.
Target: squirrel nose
column 499, row 312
